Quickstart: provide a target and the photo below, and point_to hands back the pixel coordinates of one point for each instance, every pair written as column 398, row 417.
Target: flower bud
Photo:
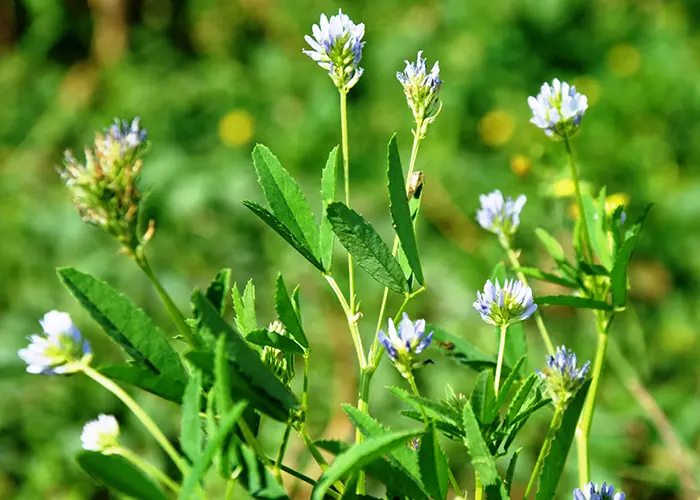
column 422, row 91
column 562, row 377
column 404, row 344
column 101, row 435
column 280, row 364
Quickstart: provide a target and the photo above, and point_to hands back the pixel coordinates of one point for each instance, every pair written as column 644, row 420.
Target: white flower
column 558, row 108
column 101, row 434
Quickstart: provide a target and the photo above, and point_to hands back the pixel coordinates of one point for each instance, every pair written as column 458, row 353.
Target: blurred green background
column 210, row 78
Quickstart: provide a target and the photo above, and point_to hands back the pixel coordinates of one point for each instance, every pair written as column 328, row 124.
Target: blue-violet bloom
column 101, row 435
column 60, row 351
column 403, row 344
column 563, row 378
column 422, row 91
column 558, row 109
column 502, row 306
column 500, row 215
column 337, row 47
column 122, row 137
column 593, row 492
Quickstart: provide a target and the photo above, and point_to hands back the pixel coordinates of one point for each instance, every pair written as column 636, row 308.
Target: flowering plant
column 229, row 377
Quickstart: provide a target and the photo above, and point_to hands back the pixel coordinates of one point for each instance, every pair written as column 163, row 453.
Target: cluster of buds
column 558, row 109
column 101, row 435
column 422, row 89
column 60, row 350
column 562, row 377
column 280, row 364
column 594, row 492
column 500, row 215
column 104, row 187
column 504, row 305
column 405, row 343
column 337, row 47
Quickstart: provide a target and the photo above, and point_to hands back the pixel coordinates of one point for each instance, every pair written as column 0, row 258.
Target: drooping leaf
column 202, row 465
column 217, row 291
column 359, row 456
column 263, row 337
column 506, row 386
column 483, row 398
column 366, row 246
column 326, row 235
column 559, row 450
column 532, row 272
column 268, row 218
column 258, row 480
column 436, row 410
column 190, row 424
column 286, row 200
column 146, row 379
column 553, row 247
column 483, row 462
column 618, row 277
column 461, row 349
column 520, row 397
column 510, row 473
column 572, row 301
column 287, row 313
column 433, row 464
column 129, row 326
column 116, row 472
column 448, row 430
column 400, row 212
column 596, row 234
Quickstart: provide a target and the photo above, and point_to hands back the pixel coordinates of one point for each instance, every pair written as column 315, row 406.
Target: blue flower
column 421, row 89
column 337, row 47
column 60, row 351
column 404, row 344
column 558, row 108
column 123, row 137
column 562, row 376
column 499, row 215
column 593, row 492
column 502, row 306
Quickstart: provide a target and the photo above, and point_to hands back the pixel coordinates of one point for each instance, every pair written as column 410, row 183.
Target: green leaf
column 506, row 386
column 482, row 460
column 618, row 277
column 287, row 313
column 572, row 301
column 437, row 410
column 559, row 450
column 146, row 379
column 461, row 349
column 450, row 431
column 520, row 398
column 217, row 290
column 594, row 223
column 116, row 472
column 201, row 466
column 553, row 247
column 532, row 272
column 244, row 307
column 126, row 324
column 512, row 464
column 326, row 236
column 359, row 456
column 257, row 479
column 264, row 337
column 400, row 213
column 268, row 218
column 286, row 200
column 483, row 398
column 366, row 246
column 433, row 464
column 516, row 346
column 191, row 425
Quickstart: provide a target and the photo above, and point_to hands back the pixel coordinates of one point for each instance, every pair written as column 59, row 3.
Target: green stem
column 147, row 468
column 230, row 486
column 172, row 309
column 306, row 479
column 253, row 442
column 412, row 382
column 351, row 319
column 147, row 422
column 584, row 426
column 315, row 453
column 282, row 450
column 346, row 174
column 453, row 482
column 544, row 451
column 501, row 355
column 579, row 200
column 515, row 263
column 478, row 490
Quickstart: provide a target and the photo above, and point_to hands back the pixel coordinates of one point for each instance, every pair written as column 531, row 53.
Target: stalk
column 579, row 200
column 501, row 354
column 148, row 468
column 346, row 173
column 544, row 451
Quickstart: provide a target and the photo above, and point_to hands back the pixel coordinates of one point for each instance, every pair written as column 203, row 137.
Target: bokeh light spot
column 520, row 165
column 624, row 60
column 496, row 128
column 236, row 128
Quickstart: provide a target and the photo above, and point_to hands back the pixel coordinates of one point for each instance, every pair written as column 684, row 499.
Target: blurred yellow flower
column 236, row 128
column 589, row 87
column 520, row 165
column 624, row 60
column 615, row 200
column 563, row 188
column 496, row 128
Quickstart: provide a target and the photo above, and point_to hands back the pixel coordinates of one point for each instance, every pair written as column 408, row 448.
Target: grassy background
column 210, row 78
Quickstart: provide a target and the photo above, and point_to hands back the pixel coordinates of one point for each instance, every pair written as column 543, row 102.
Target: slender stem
column 282, row 450
column 412, row 382
column 253, row 442
column 453, row 482
column 140, row 414
column 172, row 309
column 147, row 468
column 346, row 173
column 515, row 263
column 501, row 355
column 352, row 321
column 315, row 453
column 579, row 200
column 584, row 426
column 306, row 479
column 230, row 486
column 544, row 451
column 478, row 490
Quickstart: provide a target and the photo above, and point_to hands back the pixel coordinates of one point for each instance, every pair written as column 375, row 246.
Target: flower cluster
column 101, row 435
column 593, row 492
column 337, row 46
column 502, row 306
column 279, row 364
column 421, row 89
column 60, row 351
column 104, row 187
column 562, row 376
column 500, row 215
column 404, row 343
column 558, row 109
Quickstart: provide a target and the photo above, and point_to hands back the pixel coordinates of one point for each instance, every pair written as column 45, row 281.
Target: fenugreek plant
column 226, row 377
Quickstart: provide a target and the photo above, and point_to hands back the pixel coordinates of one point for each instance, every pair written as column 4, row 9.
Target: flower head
column 60, row 350
column 499, row 215
column 558, row 108
column 101, row 435
column 123, row 138
column 594, row 492
column 337, row 46
column 403, row 344
column 562, row 376
column 422, row 90
column 280, row 364
column 502, row 306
